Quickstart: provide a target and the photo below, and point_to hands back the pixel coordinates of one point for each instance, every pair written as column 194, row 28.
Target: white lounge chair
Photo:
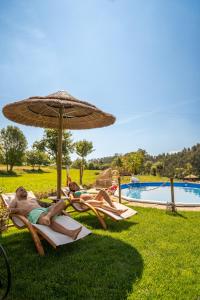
column 100, row 212
column 37, row 231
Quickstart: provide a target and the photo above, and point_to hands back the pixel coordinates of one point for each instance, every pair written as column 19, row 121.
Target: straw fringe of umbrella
column 44, row 112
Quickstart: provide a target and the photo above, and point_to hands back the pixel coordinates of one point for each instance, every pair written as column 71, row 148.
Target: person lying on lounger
column 102, row 199
column 36, row 214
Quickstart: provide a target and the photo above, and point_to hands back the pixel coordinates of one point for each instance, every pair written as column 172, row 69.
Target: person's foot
column 121, row 211
column 74, row 233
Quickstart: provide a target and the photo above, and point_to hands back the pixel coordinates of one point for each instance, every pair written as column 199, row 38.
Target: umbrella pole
column 59, row 158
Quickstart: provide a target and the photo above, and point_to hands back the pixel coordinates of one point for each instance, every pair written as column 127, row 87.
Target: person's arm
column 12, row 206
column 13, row 209
column 43, row 203
column 73, row 199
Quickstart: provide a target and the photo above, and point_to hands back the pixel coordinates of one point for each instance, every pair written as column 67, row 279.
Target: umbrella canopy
column 191, row 176
column 59, row 110
column 44, row 112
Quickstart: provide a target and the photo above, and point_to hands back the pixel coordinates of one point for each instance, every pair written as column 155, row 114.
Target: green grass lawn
column 45, row 181
column 153, row 255
column 145, row 178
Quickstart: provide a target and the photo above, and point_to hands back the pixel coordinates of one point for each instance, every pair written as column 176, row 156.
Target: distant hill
column 182, row 162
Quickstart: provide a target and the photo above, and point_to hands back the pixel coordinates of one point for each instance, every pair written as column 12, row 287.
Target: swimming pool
column 186, row 194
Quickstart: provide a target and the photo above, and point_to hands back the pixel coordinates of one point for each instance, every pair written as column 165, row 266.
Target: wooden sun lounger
column 101, row 212
column 38, row 231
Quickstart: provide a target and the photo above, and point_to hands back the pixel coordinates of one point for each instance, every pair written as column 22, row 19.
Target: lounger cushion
column 59, row 238
column 127, row 214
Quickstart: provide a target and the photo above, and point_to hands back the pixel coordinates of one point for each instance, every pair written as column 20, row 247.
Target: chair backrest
column 75, row 205
column 65, row 191
column 7, row 199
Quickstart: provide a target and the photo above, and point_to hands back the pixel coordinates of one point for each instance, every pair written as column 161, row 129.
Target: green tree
column 49, row 144
column 13, row 144
column 159, row 167
column 133, row 161
column 31, row 158
column 117, row 163
column 91, row 166
column 36, row 157
column 77, row 163
column 1, row 154
column 153, row 170
column 83, row 148
column 195, row 159
column 179, row 173
column 42, row 159
column 188, row 169
column 147, row 166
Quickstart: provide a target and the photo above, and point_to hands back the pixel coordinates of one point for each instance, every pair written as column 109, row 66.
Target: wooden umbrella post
column 120, row 191
column 67, row 175
column 59, row 154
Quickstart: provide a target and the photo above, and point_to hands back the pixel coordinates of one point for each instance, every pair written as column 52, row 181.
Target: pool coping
column 155, row 205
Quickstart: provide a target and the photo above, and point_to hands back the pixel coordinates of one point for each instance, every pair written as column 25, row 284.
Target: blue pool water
column 187, row 194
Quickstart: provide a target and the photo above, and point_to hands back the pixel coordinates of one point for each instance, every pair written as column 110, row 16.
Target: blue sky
column 138, row 60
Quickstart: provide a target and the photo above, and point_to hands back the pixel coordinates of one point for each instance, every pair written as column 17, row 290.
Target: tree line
column 177, row 165
column 13, row 151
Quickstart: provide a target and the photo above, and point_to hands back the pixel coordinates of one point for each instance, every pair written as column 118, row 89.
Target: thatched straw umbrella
column 191, row 177
column 59, row 110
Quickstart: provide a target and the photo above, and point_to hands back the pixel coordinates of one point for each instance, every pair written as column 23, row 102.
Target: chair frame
column 36, row 234
column 99, row 214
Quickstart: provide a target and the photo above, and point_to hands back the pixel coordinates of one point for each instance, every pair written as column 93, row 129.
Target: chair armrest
column 65, row 213
column 43, row 203
column 23, row 219
column 75, row 200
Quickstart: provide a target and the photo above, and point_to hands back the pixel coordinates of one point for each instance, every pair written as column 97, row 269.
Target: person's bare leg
column 114, row 210
column 95, row 203
column 103, row 195
column 61, row 229
column 55, row 209
column 101, row 204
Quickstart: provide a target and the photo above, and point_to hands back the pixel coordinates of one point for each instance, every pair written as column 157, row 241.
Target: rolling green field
column 153, row 255
column 45, row 181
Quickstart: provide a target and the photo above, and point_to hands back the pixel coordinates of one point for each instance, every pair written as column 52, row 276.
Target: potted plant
column 4, row 217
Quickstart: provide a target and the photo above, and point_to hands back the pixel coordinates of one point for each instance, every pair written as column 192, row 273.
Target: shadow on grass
column 8, row 174
column 112, row 226
column 39, row 171
column 176, row 214
column 97, row 267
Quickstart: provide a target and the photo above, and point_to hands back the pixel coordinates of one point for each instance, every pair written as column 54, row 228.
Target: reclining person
column 36, row 214
column 102, row 199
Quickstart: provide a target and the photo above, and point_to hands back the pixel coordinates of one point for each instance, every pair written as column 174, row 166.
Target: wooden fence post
column 172, row 194
column 120, row 191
